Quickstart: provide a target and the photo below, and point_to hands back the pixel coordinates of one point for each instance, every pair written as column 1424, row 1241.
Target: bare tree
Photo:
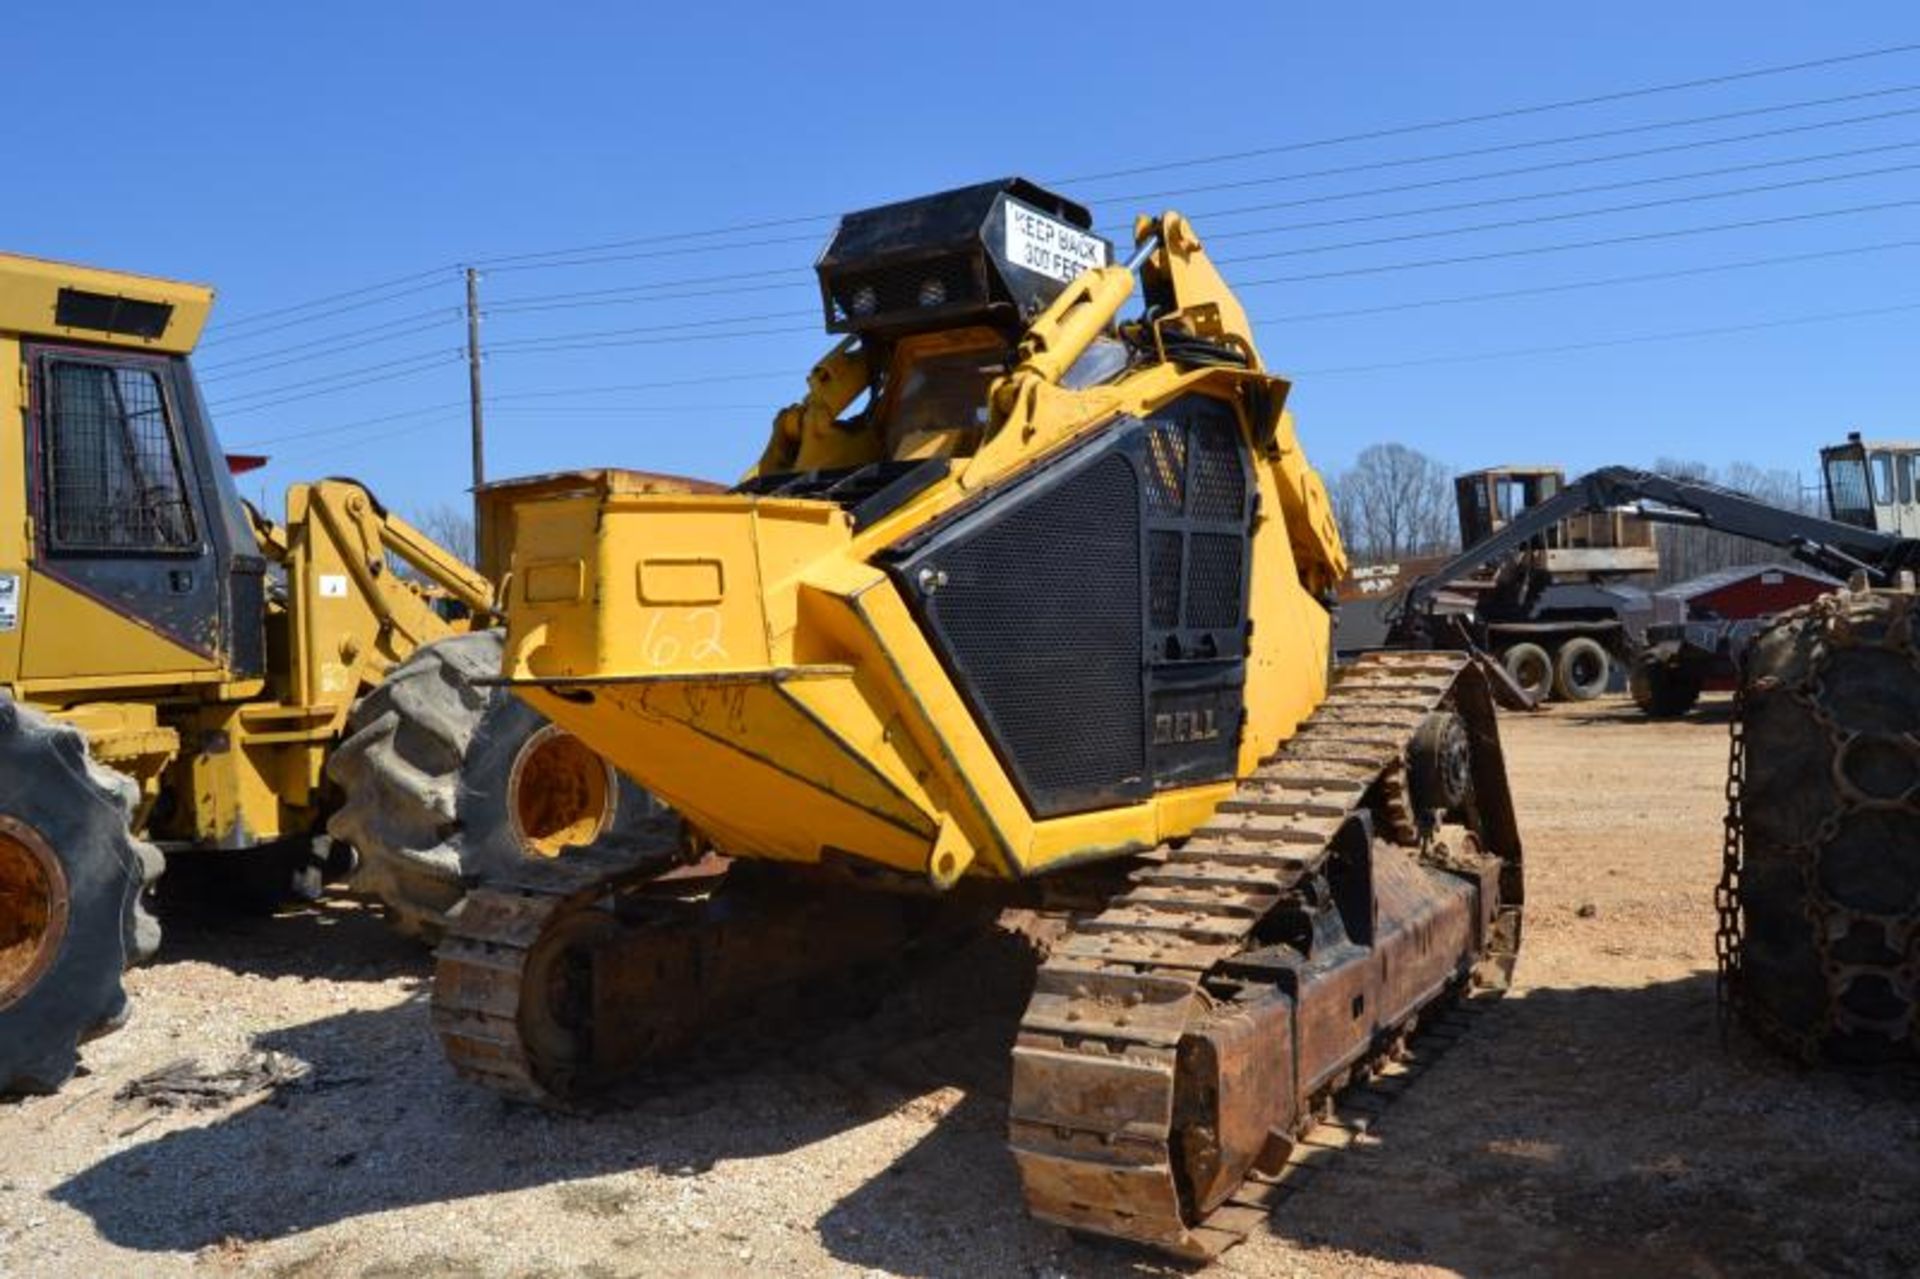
column 450, row 526
column 1394, row 501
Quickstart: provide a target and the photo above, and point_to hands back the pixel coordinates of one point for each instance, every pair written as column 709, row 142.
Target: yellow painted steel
column 743, row 658
column 30, row 290
column 240, row 758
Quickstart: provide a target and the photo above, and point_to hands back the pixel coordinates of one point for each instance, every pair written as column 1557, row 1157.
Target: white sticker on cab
column 333, row 586
column 9, row 601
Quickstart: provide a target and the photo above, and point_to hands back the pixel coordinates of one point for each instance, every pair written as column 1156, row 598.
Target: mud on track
column 1592, row 1124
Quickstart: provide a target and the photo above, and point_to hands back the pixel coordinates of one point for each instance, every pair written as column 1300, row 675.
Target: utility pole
column 473, row 396
column 473, row 386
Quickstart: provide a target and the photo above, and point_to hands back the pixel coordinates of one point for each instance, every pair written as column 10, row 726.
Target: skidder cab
column 1022, row 593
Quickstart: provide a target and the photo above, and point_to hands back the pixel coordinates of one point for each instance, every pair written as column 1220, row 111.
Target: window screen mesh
column 113, row 471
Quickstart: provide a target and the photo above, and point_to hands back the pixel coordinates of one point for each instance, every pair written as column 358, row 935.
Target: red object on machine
column 241, row 463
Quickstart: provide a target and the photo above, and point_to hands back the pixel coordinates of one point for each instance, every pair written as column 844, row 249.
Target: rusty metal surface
column 1145, row 1086
column 551, row 987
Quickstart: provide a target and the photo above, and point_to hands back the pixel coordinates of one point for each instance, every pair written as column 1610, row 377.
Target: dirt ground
column 1592, row 1124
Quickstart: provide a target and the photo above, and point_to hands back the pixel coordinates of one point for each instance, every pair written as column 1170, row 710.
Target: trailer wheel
column 1531, row 669
column 72, row 876
column 1663, row 689
column 1581, row 670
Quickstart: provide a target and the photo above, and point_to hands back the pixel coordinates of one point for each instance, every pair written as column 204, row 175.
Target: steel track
column 1093, row 1115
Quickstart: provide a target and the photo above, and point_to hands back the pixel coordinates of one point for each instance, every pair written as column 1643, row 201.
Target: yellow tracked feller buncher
column 175, row 667
column 1025, row 602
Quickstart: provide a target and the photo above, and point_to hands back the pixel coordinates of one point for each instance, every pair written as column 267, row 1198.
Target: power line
column 597, row 338
column 737, row 227
column 650, row 292
column 341, row 375
column 1647, row 277
column 519, row 343
column 341, row 427
column 1438, row 157
column 529, row 260
column 248, row 320
column 436, row 362
column 333, row 347
column 1568, row 215
column 1547, row 166
column 1570, row 246
column 1635, row 339
column 323, row 315
column 628, row 294
column 329, row 340
column 326, row 449
column 805, row 219
column 1507, row 113
column 637, row 255
column 334, row 344
column 565, row 342
column 1591, row 189
column 788, row 375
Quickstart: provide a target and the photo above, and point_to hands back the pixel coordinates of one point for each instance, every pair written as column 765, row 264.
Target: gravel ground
column 1592, row 1124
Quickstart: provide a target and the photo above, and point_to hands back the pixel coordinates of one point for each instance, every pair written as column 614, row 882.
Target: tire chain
column 1850, row 621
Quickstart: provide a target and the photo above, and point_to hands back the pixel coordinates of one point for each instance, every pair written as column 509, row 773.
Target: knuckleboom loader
column 176, row 667
column 1025, row 601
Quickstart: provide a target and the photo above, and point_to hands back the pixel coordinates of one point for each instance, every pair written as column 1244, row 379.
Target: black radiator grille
column 1213, row 579
column 1166, row 468
column 1219, row 482
column 1039, row 611
column 1163, row 578
column 1093, row 613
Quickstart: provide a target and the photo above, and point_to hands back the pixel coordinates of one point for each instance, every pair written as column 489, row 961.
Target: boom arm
column 1834, row 548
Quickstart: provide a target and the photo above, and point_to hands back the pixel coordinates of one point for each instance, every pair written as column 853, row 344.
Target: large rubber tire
column 426, row 775
column 398, row 770
column 1663, row 689
column 1581, row 670
column 502, row 819
column 64, row 834
column 1827, row 883
column 1531, row 668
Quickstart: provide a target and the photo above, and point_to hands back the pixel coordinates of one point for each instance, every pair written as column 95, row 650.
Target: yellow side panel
column 13, row 514
column 1287, row 661
column 30, row 291
column 692, row 753
column 75, row 636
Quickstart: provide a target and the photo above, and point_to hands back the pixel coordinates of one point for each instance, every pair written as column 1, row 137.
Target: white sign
column 1049, row 246
column 333, row 586
column 9, row 601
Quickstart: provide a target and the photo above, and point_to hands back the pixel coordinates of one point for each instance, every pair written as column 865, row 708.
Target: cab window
column 935, row 401
column 114, row 477
column 1882, row 479
column 1847, row 499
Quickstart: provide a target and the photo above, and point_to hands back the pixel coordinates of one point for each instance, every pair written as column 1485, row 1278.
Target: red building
column 1749, row 590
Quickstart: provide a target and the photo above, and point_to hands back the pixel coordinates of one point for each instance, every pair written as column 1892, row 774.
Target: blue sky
column 288, row 153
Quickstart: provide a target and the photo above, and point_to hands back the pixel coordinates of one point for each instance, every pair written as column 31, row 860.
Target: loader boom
column 1826, row 545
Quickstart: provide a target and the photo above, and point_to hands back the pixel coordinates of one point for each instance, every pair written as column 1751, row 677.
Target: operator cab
column 1595, row 545
column 1490, row 499
column 1871, row 484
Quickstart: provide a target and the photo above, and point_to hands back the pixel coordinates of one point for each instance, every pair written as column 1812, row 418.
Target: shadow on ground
column 382, row 1124
column 1576, row 1131
column 339, row 938
column 1613, row 712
